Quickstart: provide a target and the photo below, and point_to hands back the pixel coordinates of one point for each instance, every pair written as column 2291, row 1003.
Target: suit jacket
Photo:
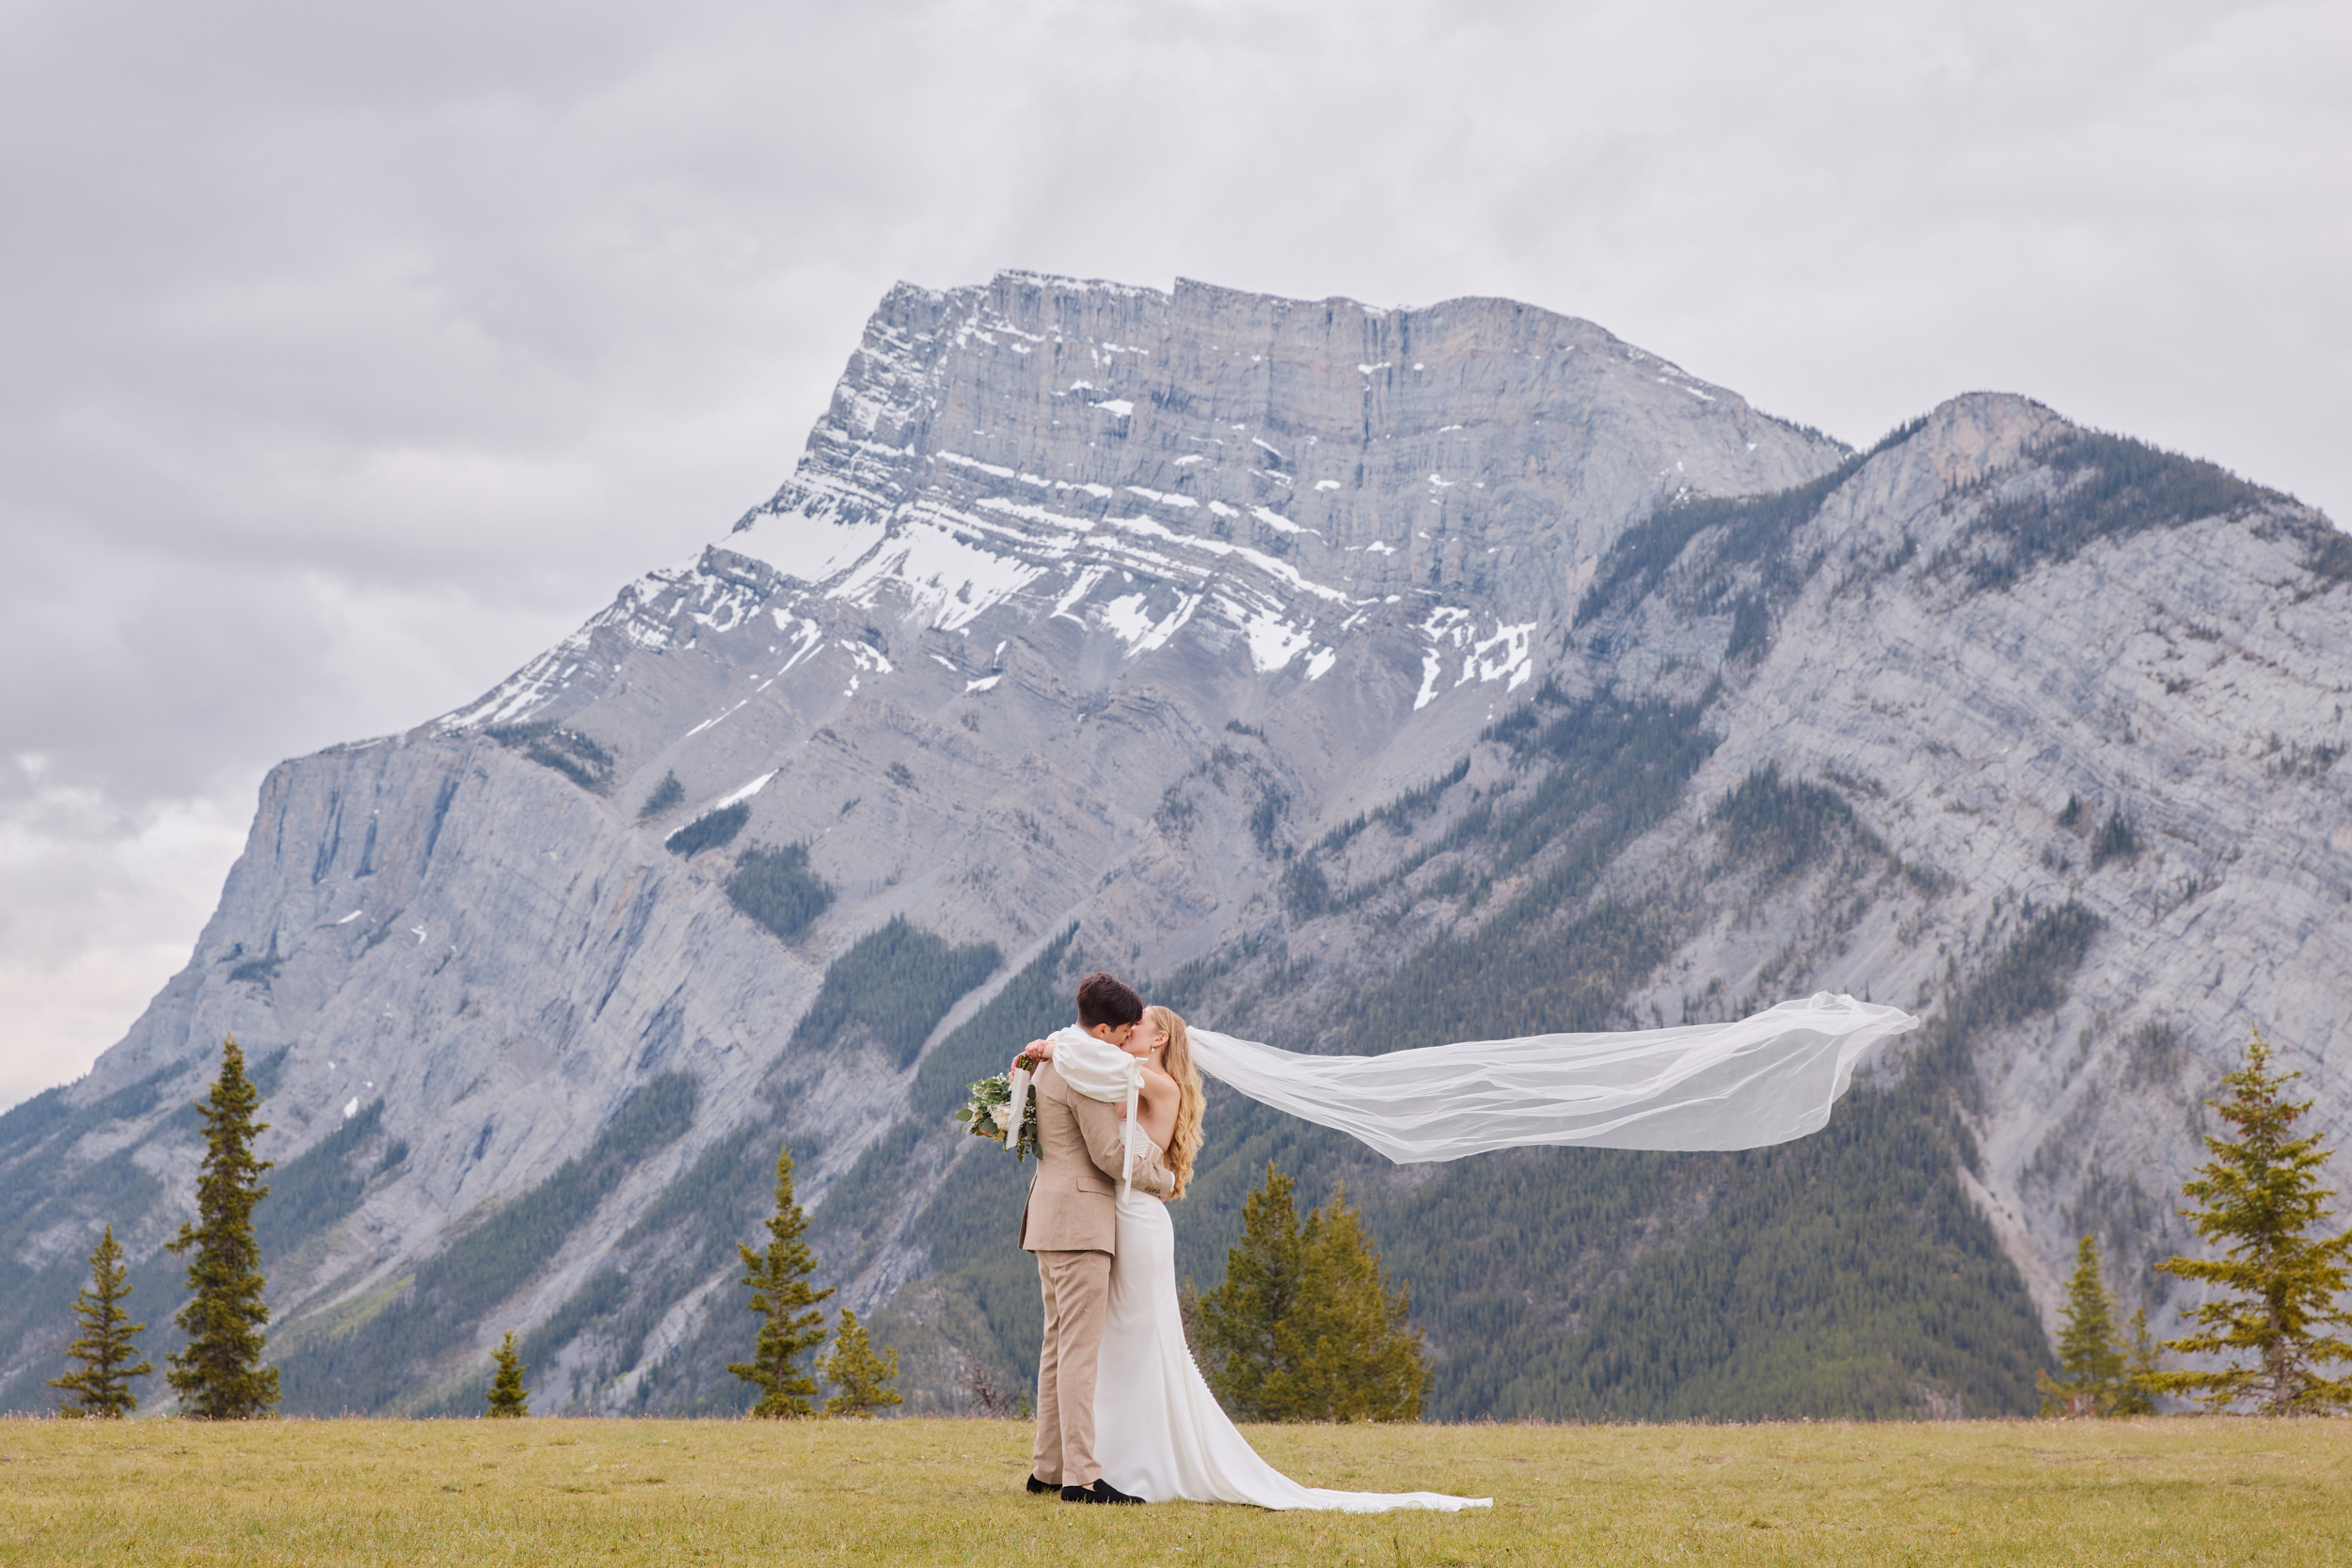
column 1073, row 1198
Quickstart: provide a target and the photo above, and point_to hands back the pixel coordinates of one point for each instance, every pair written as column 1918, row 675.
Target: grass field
column 575, row 1492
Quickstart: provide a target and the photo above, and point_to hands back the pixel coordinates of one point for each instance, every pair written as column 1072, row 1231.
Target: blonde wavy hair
column 1185, row 1142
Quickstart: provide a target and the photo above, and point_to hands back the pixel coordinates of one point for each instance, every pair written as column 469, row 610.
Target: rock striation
column 1207, row 625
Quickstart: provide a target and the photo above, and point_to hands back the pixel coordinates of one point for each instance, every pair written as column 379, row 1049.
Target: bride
column 1159, row 1432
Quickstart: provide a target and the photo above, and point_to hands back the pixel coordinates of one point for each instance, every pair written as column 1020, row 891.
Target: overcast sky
column 349, row 355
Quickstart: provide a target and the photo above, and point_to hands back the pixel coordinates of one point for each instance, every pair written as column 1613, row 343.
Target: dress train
column 1159, row 1432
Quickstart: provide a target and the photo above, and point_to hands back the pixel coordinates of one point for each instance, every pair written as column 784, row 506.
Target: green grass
column 2179, row 1489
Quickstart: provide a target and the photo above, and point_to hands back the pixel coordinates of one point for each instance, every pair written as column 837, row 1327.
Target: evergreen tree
column 860, row 1374
column 2088, row 1354
column 2136, row 1395
column 1346, row 1351
column 1304, row 1328
column 507, row 1398
column 219, row 1375
column 2259, row 1197
column 102, row 1386
column 1263, row 1274
column 791, row 1324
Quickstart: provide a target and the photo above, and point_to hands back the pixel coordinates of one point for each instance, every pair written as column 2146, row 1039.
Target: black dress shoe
column 1101, row 1491
column 1037, row 1487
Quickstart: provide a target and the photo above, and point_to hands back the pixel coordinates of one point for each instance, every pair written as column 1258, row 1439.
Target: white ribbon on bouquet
column 1021, row 1076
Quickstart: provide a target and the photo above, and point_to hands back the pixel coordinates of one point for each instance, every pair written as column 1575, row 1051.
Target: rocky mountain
column 1353, row 678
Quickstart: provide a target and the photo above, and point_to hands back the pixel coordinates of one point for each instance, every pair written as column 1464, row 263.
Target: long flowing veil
column 1764, row 1078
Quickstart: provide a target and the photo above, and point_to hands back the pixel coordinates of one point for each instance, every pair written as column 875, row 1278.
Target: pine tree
column 2088, row 1354
column 507, row 1398
column 2259, row 1197
column 1304, row 1328
column 791, row 1326
column 2136, row 1395
column 1347, row 1350
column 102, row 1386
column 858, row 1373
column 219, row 1375
column 1263, row 1274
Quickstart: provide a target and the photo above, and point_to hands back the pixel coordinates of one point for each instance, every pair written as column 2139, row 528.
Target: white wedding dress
column 1158, row 1430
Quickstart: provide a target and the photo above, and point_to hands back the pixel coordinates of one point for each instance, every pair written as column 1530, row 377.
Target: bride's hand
column 1038, row 1051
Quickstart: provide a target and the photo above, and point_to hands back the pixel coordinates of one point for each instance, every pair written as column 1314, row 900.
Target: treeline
column 2103, row 487
column 578, row 757
column 1746, row 531
column 221, row 1375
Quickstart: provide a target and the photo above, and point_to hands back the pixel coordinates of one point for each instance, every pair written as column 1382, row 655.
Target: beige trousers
column 1077, row 1290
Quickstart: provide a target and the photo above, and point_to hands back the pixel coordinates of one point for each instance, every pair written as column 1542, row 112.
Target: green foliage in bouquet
column 991, row 1109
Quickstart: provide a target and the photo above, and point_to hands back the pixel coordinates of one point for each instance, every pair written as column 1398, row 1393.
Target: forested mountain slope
column 1353, row 679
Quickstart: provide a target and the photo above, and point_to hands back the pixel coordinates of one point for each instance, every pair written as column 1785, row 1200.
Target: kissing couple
column 1124, row 1415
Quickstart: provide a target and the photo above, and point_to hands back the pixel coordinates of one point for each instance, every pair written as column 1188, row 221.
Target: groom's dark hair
column 1105, row 999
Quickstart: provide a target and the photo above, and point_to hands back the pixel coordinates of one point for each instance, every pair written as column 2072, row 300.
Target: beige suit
column 1072, row 1223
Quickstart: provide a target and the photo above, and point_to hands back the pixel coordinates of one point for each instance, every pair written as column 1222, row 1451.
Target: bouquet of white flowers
column 990, row 1113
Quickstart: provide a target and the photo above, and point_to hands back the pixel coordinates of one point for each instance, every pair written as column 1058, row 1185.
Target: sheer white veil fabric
column 1764, row 1078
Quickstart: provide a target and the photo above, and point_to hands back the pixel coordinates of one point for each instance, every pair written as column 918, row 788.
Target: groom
column 1071, row 1223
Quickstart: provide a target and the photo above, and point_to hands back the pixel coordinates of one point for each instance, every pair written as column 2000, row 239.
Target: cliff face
column 2001, row 681
column 2148, row 728
column 1100, row 608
